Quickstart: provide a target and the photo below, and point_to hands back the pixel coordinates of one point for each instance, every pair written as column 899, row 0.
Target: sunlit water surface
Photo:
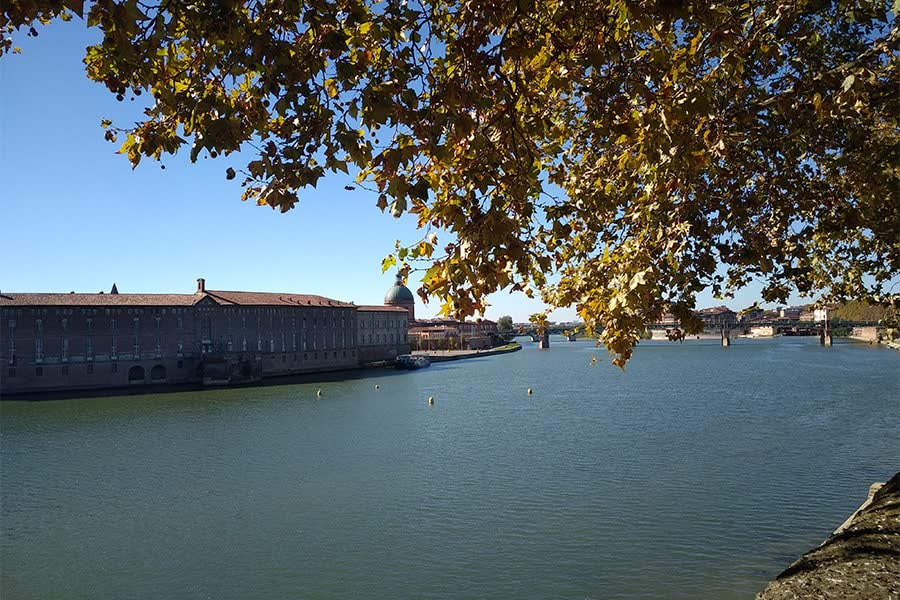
column 700, row 472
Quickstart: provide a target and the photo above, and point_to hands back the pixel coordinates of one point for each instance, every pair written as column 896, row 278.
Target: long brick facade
column 51, row 342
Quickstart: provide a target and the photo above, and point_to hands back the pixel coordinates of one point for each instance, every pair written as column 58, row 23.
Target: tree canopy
column 615, row 155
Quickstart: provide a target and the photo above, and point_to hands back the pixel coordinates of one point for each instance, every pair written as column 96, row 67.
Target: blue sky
column 75, row 216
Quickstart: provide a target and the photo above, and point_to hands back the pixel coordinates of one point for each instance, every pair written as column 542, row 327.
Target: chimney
column 201, row 285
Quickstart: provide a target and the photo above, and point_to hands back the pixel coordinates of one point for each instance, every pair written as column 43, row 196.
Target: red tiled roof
column 15, row 299
column 271, row 299
column 223, row 298
column 378, row 308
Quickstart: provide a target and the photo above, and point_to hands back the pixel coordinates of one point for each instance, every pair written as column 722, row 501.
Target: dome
column 398, row 293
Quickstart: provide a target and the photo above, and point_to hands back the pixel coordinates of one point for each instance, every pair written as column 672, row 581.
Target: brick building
column 73, row 341
column 382, row 332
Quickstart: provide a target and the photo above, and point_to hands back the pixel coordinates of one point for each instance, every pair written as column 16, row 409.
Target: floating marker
column 431, row 400
column 319, row 392
column 529, row 391
column 376, row 386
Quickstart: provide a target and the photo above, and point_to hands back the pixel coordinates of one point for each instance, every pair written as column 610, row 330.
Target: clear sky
column 74, row 216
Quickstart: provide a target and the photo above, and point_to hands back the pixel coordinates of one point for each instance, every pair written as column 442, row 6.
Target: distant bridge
column 785, row 327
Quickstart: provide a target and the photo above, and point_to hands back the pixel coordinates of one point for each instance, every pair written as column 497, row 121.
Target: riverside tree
column 615, row 155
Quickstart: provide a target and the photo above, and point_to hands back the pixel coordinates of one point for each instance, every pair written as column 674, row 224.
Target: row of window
column 12, row 372
column 64, row 369
column 316, row 355
column 382, row 338
column 387, row 324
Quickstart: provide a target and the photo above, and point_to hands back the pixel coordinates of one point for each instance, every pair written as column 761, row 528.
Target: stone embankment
column 860, row 561
column 445, row 355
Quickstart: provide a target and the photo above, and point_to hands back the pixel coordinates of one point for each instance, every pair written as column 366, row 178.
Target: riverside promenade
column 447, row 355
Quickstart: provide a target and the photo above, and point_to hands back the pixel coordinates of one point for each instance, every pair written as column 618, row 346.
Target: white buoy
column 319, row 392
column 376, row 386
column 431, row 400
column 529, row 391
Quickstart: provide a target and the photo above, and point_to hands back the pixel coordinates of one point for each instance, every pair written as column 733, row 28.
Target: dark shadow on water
column 304, row 378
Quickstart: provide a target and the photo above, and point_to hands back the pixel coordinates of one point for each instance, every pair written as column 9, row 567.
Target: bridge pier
column 825, row 338
column 726, row 340
column 545, row 341
column 570, row 337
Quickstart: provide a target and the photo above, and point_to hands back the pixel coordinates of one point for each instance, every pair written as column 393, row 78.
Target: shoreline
column 448, row 355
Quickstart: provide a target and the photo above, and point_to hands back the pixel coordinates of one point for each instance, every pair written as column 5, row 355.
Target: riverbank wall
column 871, row 334
column 448, row 355
column 860, row 561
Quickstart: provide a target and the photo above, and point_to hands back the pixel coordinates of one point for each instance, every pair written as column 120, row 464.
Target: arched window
column 136, row 373
column 158, row 373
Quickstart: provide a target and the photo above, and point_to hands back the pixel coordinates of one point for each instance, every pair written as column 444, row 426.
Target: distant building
column 791, row 313
column 75, row 341
column 717, row 317
column 821, row 315
column 752, row 314
column 668, row 319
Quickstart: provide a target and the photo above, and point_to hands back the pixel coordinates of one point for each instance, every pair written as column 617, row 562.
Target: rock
column 860, row 561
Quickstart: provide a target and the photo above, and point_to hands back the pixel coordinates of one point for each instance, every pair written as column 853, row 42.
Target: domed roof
column 398, row 293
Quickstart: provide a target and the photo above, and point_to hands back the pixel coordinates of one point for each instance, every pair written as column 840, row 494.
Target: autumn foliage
column 615, row 155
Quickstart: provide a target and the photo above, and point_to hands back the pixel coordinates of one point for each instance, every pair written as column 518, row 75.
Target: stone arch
column 158, row 373
column 136, row 373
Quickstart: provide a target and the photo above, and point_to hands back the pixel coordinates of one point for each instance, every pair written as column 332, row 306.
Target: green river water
column 699, row 473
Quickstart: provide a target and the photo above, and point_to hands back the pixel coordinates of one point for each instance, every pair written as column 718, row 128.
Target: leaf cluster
column 634, row 152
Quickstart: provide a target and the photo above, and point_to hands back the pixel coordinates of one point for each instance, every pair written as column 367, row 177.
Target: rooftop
column 220, row 297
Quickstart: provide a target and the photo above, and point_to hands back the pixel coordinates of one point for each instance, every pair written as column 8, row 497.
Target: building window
column 38, row 350
column 114, row 343
column 90, row 369
column 39, row 324
column 89, row 340
column 180, row 364
column 39, row 371
column 65, row 350
column 137, row 340
column 115, row 368
column 12, row 342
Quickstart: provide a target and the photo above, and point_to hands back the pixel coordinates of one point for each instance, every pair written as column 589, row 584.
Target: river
column 699, row 473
